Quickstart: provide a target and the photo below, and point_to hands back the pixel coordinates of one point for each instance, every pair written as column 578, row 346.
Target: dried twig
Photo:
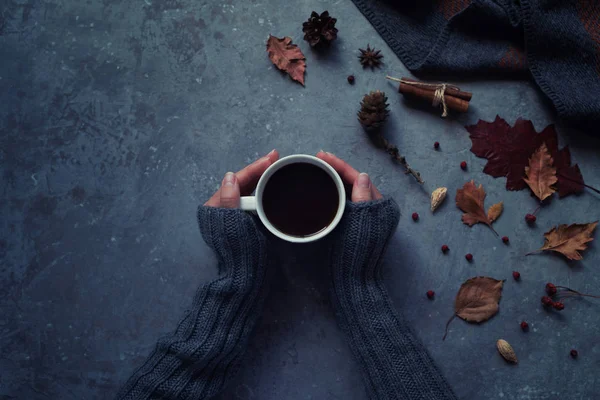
column 393, row 151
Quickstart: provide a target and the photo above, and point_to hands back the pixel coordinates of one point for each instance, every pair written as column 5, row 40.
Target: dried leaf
column 508, row 149
column 437, row 197
column 570, row 179
column 470, row 200
column 506, row 351
column 287, row 57
column 477, row 300
column 569, row 240
column 495, row 211
column 541, row 175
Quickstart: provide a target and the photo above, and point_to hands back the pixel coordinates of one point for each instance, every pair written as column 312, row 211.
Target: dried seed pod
column 437, row 197
column 495, row 211
column 506, row 351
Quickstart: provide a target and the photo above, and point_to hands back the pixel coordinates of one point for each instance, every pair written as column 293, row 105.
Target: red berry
column 547, row 301
column 516, row 275
column 558, row 306
column 524, row 325
column 530, row 218
column 463, row 165
column 445, row 248
column 436, row 145
column 351, row 79
column 550, row 289
column 574, row 353
column 430, row 294
column 415, row 216
column 469, row 257
column 505, row 239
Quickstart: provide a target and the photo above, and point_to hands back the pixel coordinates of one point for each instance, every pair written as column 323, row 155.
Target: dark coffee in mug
column 300, row 199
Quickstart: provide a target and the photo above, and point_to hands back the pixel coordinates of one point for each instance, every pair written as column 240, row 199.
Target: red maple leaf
column 508, row 149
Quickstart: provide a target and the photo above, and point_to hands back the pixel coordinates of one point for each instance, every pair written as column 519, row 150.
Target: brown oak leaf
column 477, row 300
column 508, row 148
column 541, row 175
column 568, row 240
column 287, row 57
column 495, row 211
column 470, row 200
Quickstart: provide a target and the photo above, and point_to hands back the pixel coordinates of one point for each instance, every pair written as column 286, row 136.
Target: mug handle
column 248, row 203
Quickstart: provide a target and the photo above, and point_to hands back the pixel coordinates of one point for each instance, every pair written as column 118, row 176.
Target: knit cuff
column 198, row 359
column 363, row 233
column 233, row 234
column 395, row 365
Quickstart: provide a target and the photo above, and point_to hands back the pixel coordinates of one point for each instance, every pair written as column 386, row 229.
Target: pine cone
column 319, row 28
column 373, row 111
column 370, row 57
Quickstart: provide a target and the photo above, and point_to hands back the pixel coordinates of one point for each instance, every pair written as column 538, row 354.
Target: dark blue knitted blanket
column 556, row 41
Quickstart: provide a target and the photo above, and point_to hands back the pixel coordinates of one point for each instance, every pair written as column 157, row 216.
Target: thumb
column 230, row 191
column 361, row 190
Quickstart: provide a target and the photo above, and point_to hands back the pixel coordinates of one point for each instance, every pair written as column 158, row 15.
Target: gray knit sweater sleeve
column 394, row 364
column 196, row 360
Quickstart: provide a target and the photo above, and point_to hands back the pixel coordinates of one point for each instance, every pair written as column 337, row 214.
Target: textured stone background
column 118, row 118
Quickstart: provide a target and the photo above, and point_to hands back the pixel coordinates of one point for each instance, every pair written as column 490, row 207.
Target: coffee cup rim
column 293, row 159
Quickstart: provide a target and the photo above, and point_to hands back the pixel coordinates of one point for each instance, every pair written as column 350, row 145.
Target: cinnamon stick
column 449, row 90
column 453, row 103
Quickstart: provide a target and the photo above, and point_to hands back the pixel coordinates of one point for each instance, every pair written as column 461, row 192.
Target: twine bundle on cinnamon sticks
column 439, row 94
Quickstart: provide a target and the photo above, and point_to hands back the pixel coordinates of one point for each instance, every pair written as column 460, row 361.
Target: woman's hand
column 362, row 188
column 242, row 183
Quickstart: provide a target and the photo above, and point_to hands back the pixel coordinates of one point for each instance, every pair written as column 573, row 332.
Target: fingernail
column 329, row 153
column 271, row 152
column 364, row 181
column 229, row 179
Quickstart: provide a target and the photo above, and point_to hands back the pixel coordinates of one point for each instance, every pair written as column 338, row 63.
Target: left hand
column 242, row 183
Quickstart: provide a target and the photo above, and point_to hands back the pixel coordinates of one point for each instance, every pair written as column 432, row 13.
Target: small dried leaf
column 569, row 240
column 470, row 199
column 478, row 298
column 506, row 351
column 541, row 175
column 495, row 211
column 287, row 57
column 437, row 197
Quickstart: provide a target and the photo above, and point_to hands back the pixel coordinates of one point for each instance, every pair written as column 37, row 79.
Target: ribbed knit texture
column 202, row 355
column 198, row 359
column 557, row 41
column 394, row 364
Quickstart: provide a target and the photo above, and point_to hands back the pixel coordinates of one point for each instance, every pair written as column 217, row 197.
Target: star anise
column 370, row 57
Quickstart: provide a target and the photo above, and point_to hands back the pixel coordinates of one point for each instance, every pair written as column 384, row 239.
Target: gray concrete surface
column 118, row 118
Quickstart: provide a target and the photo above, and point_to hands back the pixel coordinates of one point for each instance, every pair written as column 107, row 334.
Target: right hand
column 362, row 187
column 242, row 183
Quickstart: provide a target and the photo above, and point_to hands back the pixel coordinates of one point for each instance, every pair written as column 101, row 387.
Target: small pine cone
column 373, row 111
column 319, row 28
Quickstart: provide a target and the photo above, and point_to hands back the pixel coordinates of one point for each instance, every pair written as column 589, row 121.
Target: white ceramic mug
column 255, row 203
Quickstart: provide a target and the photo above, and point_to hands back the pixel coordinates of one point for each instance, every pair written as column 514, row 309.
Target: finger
column 230, row 191
column 361, row 190
column 247, row 177
column 375, row 193
column 347, row 173
column 273, row 155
